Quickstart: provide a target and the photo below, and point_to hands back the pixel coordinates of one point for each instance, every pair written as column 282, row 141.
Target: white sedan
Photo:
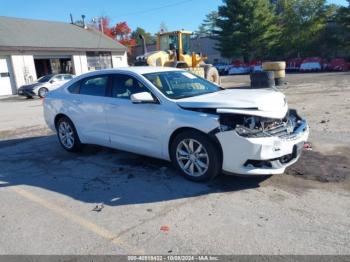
column 174, row 115
column 44, row 84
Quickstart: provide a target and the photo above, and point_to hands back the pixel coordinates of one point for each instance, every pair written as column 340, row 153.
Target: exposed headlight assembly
column 255, row 126
column 248, row 132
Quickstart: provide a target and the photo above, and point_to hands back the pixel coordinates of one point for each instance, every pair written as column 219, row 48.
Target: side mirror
column 52, row 81
column 142, row 98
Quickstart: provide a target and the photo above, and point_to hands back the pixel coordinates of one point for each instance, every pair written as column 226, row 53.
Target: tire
column 274, row 66
column 280, row 74
column 279, row 81
column 204, row 164
column 42, row 92
column 29, row 97
column 265, row 79
column 212, row 74
column 64, row 128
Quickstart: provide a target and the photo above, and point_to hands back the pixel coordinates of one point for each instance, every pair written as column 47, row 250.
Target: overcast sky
column 176, row 14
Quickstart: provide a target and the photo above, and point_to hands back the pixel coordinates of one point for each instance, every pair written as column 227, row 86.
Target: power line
column 155, row 9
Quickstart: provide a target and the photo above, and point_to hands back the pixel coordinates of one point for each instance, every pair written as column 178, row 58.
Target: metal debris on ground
column 98, row 208
column 324, row 121
column 164, row 228
column 307, row 146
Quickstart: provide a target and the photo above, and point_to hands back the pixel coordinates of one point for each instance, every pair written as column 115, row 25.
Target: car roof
column 143, row 69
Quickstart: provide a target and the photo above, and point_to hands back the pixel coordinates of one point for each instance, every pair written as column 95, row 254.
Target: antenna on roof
column 83, row 18
column 71, row 18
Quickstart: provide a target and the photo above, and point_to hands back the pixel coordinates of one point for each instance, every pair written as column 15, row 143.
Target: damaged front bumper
column 262, row 155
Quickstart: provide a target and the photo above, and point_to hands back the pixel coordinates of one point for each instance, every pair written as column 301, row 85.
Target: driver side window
column 57, row 78
column 124, row 86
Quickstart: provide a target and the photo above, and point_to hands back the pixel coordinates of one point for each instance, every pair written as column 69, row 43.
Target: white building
column 30, row 49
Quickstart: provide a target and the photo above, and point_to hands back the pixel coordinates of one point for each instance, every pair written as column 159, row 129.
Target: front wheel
column 196, row 156
column 43, row 92
column 67, row 135
column 212, row 74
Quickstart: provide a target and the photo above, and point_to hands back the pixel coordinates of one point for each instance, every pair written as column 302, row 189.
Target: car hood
column 31, row 86
column 260, row 102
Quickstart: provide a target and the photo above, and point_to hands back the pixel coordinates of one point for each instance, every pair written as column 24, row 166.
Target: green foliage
column 343, row 20
column 302, row 23
column 278, row 29
column 208, row 25
column 247, row 28
column 150, row 39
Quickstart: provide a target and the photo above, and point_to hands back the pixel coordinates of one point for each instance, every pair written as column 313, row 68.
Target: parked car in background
column 293, row 64
column 338, row 64
column 222, row 68
column 311, row 64
column 44, row 84
column 239, row 68
column 255, row 66
column 172, row 114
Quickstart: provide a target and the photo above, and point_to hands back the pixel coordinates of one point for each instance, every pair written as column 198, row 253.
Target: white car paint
column 310, row 66
column 238, row 70
column 147, row 128
column 242, row 101
column 53, row 83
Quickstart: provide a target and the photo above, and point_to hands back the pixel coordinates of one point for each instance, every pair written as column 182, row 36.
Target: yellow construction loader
column 174, row 51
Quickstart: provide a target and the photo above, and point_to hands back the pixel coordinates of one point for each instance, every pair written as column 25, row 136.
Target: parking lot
column 105, row 201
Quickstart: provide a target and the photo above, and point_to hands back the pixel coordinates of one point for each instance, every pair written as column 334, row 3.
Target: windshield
column 44, row 79
column 181, row 84
column 166, row 41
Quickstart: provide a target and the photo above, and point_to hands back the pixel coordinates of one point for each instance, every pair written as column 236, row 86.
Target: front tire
column 42, row 92
column 67, row 135
column 196, row 156
column 212, row 74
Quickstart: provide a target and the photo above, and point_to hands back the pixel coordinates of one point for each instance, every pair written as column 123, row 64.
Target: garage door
column 5, row 81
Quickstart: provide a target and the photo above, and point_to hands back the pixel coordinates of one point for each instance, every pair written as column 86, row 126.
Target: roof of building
column 27, row 34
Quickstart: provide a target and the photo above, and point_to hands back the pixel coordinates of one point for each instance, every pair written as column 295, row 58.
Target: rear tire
column 274, row 66
column 264, row 79
column 279, row 81
column 67, row 135
column 196, row 156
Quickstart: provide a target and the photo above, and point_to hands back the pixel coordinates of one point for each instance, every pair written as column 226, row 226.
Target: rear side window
column 94, row 86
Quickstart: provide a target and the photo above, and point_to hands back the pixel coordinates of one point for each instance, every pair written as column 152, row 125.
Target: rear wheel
column 67, row 135
column 196, row 156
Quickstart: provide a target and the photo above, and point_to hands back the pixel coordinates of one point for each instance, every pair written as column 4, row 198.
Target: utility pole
column 101, row 24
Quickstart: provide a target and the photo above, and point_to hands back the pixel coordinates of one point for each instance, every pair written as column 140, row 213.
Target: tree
column 120, row 32
column 246, row 28
column 208, row 25
column 150, row 39
column 302, row 23
column 343, row 16
column 103, row 25
column 343, row 20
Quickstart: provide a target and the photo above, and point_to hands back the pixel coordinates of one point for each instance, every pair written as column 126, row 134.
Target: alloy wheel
column 192, row 157
column 66, row 134
column 43, row 92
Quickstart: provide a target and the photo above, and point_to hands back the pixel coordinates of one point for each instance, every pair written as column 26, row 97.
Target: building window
column 99, row 60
